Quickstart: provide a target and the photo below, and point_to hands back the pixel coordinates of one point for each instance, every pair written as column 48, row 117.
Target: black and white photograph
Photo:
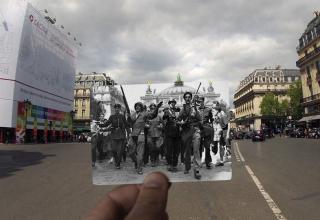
column 179, row 128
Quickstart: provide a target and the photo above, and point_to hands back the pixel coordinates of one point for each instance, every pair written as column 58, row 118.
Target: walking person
column 172, row 135
column 189, row 119
column 154, row 136
column 206, row 131
column 96, row 125
column 137, row 138
column 119, row 127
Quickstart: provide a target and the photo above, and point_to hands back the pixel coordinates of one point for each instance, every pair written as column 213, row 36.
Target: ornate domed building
column 176, row 92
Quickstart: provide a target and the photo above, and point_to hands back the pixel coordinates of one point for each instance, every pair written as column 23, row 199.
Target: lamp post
column 72, row 113
column 27, row 103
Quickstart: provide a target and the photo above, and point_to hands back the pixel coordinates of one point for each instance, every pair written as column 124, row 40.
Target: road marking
column 236, row 152
column 240, row 154
column 273, row 206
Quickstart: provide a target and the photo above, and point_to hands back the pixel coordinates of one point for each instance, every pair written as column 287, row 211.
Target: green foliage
column 269, row 104
column 295, row 94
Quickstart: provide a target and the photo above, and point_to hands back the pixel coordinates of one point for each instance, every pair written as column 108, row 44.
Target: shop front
column 36, row 124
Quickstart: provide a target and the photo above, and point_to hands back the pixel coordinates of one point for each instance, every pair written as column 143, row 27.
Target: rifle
column 194, row 99
column 125, row 100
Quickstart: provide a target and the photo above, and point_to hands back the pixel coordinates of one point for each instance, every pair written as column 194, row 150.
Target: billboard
column 37, row 61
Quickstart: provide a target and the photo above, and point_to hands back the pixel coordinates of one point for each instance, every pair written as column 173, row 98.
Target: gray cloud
column 135, row 41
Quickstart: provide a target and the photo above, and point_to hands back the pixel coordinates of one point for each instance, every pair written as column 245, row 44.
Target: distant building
column 248, row 96
column 86, row 87
column 176, row 92
column 309, row 64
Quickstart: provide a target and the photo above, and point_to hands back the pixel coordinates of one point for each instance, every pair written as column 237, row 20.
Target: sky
column 135, row 41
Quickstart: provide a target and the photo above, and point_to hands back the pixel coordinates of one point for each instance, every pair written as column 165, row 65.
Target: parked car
column 248, row 135
column 258, row 135
column 268, row 132
column 239, row 135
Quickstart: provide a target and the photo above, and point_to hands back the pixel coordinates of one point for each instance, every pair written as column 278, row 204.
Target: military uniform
column 154, row 138
column 190, row 136
column 206, row 133
column 136, row 143
column 118, row 129
column 172, row 136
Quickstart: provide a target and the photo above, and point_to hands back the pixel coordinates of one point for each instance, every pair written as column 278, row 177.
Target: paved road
column 54, row 182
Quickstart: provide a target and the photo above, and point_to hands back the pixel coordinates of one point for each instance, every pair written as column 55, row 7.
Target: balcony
column 311, row 98
column 308, row 57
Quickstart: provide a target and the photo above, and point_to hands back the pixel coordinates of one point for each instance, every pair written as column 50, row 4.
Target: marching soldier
column 118, row 126
column 206, row 131
column 154, row 136
column 137, row 138
column 190, row 121
column 171, row 135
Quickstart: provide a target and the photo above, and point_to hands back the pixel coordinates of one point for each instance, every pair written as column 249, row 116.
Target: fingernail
column 153, row 181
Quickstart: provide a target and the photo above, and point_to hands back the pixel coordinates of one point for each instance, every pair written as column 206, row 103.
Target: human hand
column 130, row 202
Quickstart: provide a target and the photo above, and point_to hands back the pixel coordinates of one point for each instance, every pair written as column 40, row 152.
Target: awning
column 310, row 118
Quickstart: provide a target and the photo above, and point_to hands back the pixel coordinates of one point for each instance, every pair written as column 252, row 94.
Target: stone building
column 309, row 64
column 84, row 85
column 249, row 94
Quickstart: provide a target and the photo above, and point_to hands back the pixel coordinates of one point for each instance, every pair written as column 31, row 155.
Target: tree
column 284, row 108
column 295, row 94
column 269, row 104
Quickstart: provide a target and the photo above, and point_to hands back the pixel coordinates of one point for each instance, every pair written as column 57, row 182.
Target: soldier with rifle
column 137, row 122
column 190, row 120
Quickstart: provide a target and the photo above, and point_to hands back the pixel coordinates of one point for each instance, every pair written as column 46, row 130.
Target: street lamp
column 72, row 114
column 27, row 103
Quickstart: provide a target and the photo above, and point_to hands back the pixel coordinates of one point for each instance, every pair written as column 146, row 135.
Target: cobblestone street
column 106, row 173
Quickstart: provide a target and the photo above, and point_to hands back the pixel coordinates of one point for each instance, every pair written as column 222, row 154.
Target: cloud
column 135, row 41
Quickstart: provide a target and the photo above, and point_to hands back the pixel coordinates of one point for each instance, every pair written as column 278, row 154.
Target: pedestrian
column 97, row 136
column 137, row 138
column 172, row 135
column 190, row 121
column 119, row 127
column 206, row 131
column 217, row 141
column 7, row 137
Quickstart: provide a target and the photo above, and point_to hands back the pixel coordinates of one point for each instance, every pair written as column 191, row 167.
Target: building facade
column 249, row 94
column 85, row 89
column 309, row 63
column 37, row 70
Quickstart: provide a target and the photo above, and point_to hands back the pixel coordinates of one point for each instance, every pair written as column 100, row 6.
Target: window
column 83, row 102
column 270, row 79
column 83, row 113
column 308, row 70
column 318, row 66
column 76, row 103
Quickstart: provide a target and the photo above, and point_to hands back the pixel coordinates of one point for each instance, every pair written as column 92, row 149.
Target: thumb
column 152, row 199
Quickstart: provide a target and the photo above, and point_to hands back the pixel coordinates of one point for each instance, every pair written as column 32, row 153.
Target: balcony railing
column 308, row 57
column 311, row 98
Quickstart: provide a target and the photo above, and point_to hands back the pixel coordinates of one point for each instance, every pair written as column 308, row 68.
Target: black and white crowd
column 152, row 134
